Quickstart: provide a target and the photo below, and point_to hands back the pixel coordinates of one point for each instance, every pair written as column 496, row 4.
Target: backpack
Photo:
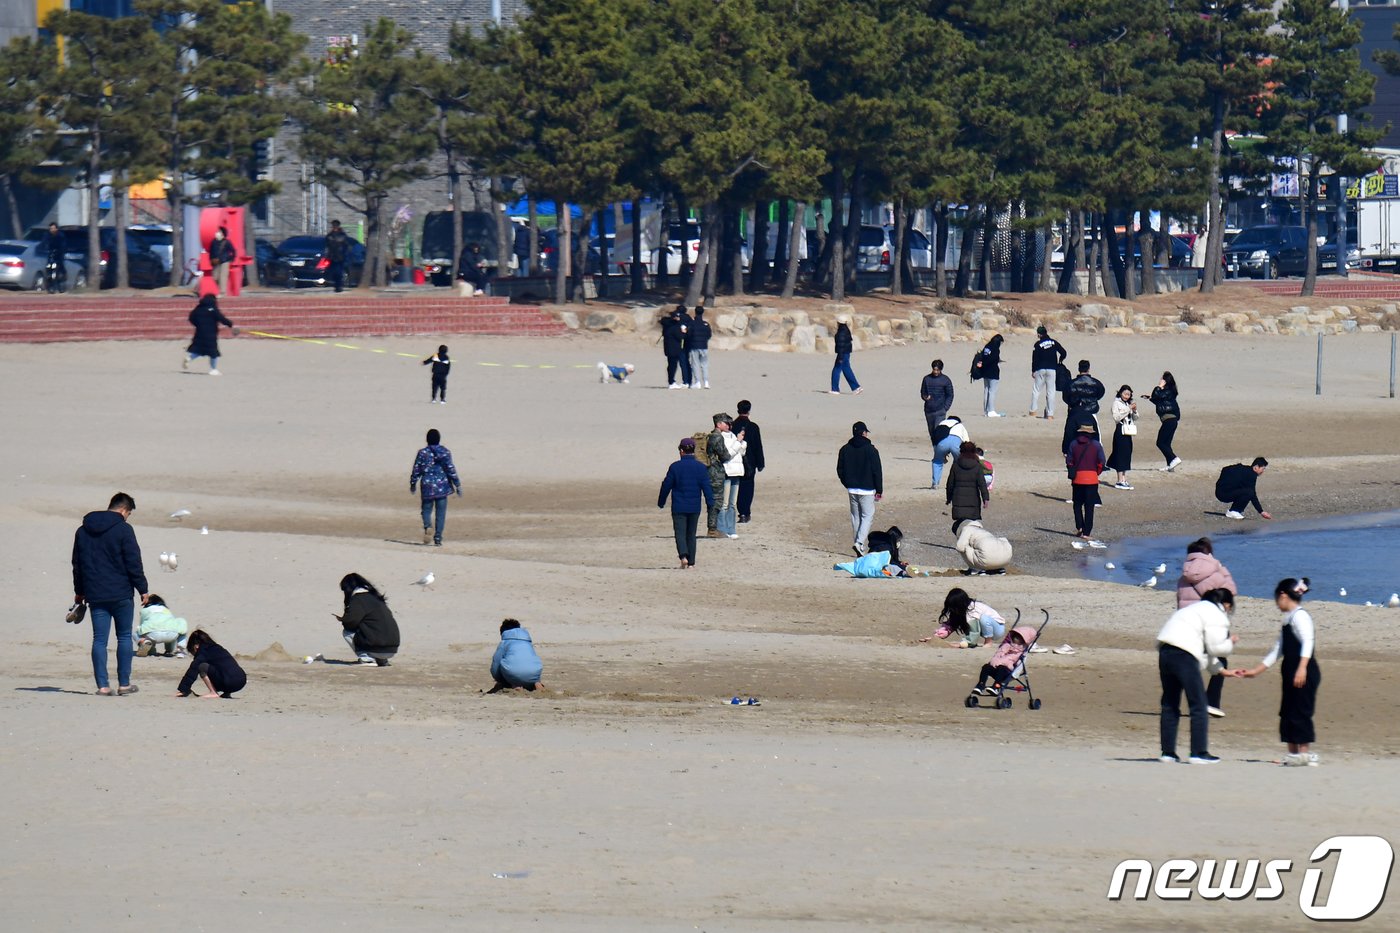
column 940, row 434
column 976, row 372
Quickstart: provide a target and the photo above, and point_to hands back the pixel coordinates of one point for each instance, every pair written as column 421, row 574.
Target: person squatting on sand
column 212, row 664
column 515, row 663
column 984, row 552
column 1186, row 643
column 1299, row 672
column 434, row 471
column 160, row 628
column 1237, row 486
column 106, row 568
column 962, row 615
column 441, row 364
column 858, row 468
column 1202, row 573
column 367, row 625
column 1003, row 663
column 687, row 484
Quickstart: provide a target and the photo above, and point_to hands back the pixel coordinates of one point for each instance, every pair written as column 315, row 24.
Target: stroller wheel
column 1035, row 704
column 1003, row 702
column 970, row 702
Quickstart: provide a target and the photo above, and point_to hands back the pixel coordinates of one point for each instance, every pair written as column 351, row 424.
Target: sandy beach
column 861, row 794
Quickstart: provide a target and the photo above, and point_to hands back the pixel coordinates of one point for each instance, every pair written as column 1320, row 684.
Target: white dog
column 621, row 373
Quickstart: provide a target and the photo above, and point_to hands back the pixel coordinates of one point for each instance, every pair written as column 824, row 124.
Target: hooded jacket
column 858, row 466
column 515, row 662
column 967, row 487
column 1085, row 460
column 988, row 363
column 1201, row 629
column 981, row 549
column 672, row 337
column 1009, row 652
column 1084, row 393
column 434, row 471
column 206, row 318
column 687, row 483
column 106, row 559
column 844, row 344
column 376, row 630
column 1199, row 575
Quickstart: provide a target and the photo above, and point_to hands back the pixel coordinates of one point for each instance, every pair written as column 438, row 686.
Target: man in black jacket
column 697, row 350
column 673, row 345
column 753, row 457
column 1082, row 398
column 337, row 249
column 858, row 468
column 106, row 568
column 937, row 392
column 1046, row 356
column 1236, row 486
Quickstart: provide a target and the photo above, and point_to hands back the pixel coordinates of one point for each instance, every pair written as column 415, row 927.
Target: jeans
column 1164, row 438
column 173, row 641
column 745, row 504
column 428, row 505
column 1083, row 498
column 213, row 360
column 990, row 627
column 862, row 514
column 989, row 395
column 700, row 367
column 1043, row 380
column 1180, row 674
column 948, row 447
column 729, row 494
column 934, row 418
column 350, row 640
column 842, row 367
column 103, row 615
column 685, row 525
column 523, row 269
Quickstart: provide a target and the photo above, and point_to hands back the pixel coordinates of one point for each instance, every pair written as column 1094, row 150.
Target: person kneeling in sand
column 160, row 628
column 214, row 665
column 515, row 663
column 974, row 621
column 983, row 551
column 369, row 628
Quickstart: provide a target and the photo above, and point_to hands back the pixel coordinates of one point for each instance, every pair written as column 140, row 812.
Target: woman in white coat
column 1192, row 636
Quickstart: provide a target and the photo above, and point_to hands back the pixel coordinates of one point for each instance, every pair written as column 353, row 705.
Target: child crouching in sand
column 214, row 665
column 1008, row 654
column 160, row 628
column 515, row 663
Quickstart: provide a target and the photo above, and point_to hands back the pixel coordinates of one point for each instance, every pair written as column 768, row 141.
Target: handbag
column 76, row 613
column 724, row 522
column 1129, row 428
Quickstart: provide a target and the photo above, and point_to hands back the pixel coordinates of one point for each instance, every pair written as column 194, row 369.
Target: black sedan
column 301, row 260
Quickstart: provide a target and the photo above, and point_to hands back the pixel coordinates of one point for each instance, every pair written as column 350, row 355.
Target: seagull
column 1369, row 603
column 425, row 581
column 164, row 559
column 1149, row 583
column 1078, row 545
column 1109, row 566
column 173, row 562
column 1342, row 591
column 1393, row 602
column 178, row 514
column 204, row 530
column 1160, row 568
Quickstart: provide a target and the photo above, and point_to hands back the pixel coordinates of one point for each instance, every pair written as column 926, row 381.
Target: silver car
column 22, row 266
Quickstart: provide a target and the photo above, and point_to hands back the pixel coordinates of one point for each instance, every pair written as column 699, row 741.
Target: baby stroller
column 1019, row 679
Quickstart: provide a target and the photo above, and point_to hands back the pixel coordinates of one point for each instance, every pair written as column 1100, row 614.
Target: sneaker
column 144, row 648
column 693, row 385
column 437, row 542
column 1176, row 462
column 1099, row 545
column 1121, row 486
column 712, row 533
column 427, row 535
column 733, row 537
column 368, row 660
column 858, row 390
column 1237, row 516
column 1169, row 760
column 1216, row 711
column 215, row 372
column 833, row 392
column 1313, row 760
column 1204, row 759
column 707, row 385
column 180, row 654
column 993, row 414
column 675, row 385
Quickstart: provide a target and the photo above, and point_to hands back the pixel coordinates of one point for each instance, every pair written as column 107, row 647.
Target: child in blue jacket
column 515, row 663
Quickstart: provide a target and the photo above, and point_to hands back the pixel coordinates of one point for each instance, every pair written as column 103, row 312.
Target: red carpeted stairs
column 49, row 318
column 1377, row 287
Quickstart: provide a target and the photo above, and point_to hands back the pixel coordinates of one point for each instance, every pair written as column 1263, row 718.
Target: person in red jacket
column 1085, row 461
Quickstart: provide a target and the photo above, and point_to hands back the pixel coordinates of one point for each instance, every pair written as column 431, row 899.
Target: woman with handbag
column 1124, row 430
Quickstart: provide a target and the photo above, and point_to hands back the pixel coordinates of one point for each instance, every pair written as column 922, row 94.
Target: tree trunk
column 250, row 271
column 454, row 194
column 1047, row 269
column 374, row 259
column 1073, row 253
column 533, row 219
column 639, row 282
column 1310, row 219
column 1147, row 249
column 735, row 229
column 1094, row 256
column 940, row 250
column 835, row 241
column 897, row 259
column 758, row 248
column 561, row 253
column 121, row 213
column 580, row 256
column 687, row 272
column 968, row 243
column 505, row 242
column 1215, row 230
column 94, row 213
column 793, row 253
column 906, row 276
column 1122, row 268
column 984, row 266
column 695, row 290
column 850, row 233
column 603, row 253
column 784, row 239
column 662, row 250
column 11, row 206
column 714, row 233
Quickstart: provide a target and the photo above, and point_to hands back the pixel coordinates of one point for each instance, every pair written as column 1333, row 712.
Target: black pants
column 998, row 675
column 1164, row 438
column 1295, row 711
column 1073, row 420
column 440, row 387
column 745, row 503
column 677, row 362
column 1084, row 499
column 934, row 418
column 1215, row 688
column 222, row 685
column 1181, row 673
column 685, row 525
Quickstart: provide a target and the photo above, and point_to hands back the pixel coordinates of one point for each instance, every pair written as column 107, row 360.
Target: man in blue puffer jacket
column 515, row 663
column 106, row 568
column 687, row 482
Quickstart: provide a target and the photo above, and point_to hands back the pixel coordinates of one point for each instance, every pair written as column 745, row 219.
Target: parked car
column 1179, row 257
column 144, row 268
column 1267, row 251
column 549, row 252
column 683, row 240
column 436, row 249
column 263, row 254
column 1327, row 259
column 22, row 265
column 301, row 260
column 875, row 250
column 157, row 238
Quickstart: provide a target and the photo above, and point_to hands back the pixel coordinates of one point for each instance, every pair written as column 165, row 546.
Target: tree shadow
column 81, row 693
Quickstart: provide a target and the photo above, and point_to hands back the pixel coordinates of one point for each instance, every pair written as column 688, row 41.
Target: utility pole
column 1341, row 185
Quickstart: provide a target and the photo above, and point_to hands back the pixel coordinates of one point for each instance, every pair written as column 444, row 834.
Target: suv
column 876, row 246
column 436, row 249
column 145, row 268
column 1267, row 251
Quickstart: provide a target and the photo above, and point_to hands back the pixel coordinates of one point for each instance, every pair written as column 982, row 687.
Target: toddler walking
column 441, row 363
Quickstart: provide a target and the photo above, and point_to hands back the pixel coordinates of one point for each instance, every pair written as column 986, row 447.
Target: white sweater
column 1201, row 629
column 734, row 466
column 1303, row 627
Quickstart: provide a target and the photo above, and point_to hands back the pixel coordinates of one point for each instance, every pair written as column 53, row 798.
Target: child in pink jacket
column 1202, row 573
column 1003, row 663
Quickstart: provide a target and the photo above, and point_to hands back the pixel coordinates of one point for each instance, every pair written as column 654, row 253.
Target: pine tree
column 27, row 130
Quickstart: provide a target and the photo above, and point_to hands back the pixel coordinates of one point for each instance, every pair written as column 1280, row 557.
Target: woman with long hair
column 369, row 628
column 1163, row 398
column 973, row 620
column 1300, row 673
column 1124, row 414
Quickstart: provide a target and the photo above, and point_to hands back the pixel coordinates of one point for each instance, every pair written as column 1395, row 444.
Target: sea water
column 1358, row 553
